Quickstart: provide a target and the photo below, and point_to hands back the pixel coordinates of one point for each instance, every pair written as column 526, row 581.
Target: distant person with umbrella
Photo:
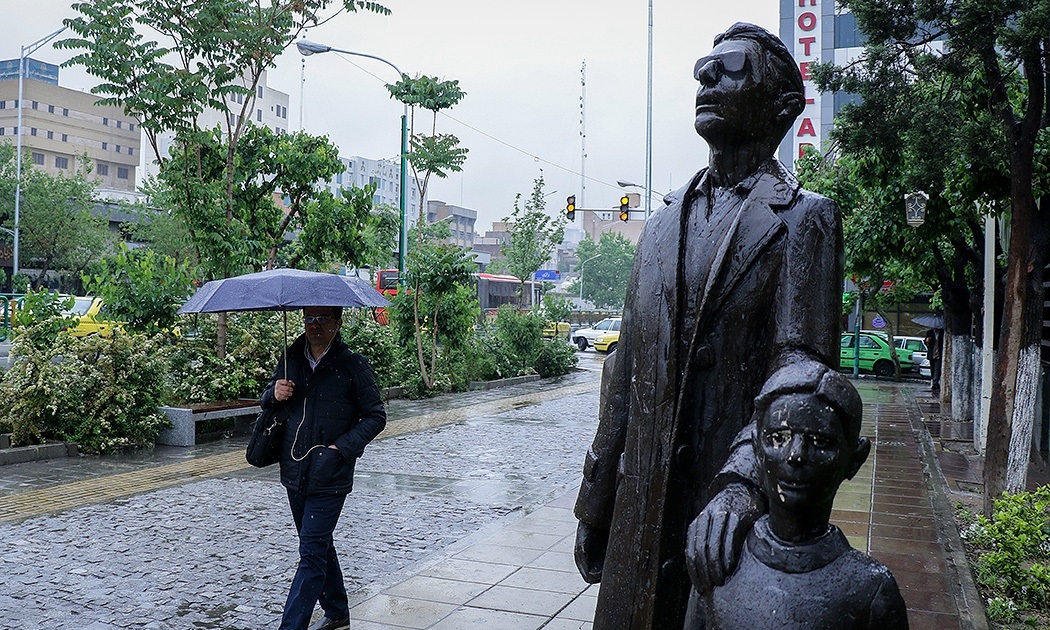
column 933, row 353
column 332, row 406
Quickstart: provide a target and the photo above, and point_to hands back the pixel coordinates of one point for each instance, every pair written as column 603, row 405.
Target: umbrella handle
column 285, row 345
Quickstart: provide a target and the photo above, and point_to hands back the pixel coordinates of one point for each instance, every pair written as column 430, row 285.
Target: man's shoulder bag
column 264, row 448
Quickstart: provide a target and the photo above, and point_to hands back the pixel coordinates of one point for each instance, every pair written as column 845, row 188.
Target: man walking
column 333, row 410
column 739, row 274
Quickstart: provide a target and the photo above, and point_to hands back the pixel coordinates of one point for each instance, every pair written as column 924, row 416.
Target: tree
column 994, row 68
column 58, row 232
column 218, row 54
column 141, row 288
column 533, row 236
column 607, row 269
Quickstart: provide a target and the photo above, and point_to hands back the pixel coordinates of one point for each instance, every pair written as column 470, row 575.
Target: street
column 197, row 539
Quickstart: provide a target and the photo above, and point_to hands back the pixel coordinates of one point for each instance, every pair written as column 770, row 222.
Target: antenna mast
column 583, row 134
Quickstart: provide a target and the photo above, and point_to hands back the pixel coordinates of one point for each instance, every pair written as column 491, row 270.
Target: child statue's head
column 808, row 442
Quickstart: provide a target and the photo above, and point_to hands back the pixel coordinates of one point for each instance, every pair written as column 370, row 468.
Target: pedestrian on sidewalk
column 933, row 353
column 334, row 410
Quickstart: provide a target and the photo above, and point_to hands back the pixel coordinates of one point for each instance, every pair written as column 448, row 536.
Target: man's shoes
column 331, row 624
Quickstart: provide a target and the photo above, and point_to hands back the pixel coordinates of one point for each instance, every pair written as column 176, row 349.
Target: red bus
column 493, row 290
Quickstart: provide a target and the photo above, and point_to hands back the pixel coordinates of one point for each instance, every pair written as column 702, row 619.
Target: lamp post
column 26, row 51
column 581, row 272
column 626, row 184
column 307, row 48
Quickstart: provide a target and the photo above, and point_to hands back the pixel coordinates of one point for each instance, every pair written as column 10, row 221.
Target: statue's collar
column 795, row 558
column 771, row 182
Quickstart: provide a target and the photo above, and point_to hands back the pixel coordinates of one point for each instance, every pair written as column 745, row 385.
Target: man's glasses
column 317, row 319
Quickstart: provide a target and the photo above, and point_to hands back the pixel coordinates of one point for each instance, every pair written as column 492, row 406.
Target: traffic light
column 570, row 208
column 624, row 212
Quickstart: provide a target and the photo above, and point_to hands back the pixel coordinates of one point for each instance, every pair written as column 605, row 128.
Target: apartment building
column 461, row 221
column 60, row 124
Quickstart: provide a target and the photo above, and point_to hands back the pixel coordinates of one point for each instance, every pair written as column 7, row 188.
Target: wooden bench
column 183, row 431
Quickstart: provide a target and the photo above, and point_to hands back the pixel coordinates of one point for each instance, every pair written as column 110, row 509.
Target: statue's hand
column 591, row 543
column 716, row 537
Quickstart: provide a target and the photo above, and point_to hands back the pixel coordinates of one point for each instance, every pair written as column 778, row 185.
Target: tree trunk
column 1012, row 412
column 962, row 377
column 220, row 336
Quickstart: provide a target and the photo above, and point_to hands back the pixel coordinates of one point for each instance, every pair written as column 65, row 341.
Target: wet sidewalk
column 523, row 575
column 461, row 518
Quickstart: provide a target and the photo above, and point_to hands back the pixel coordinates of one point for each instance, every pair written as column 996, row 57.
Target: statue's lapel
column 758, row 226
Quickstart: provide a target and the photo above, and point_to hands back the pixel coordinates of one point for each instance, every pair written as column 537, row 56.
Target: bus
column 493, row 290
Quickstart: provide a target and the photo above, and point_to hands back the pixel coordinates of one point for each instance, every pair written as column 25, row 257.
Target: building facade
column 816, row 31
column 461, row 221
column 59, row 125
column 386, row 175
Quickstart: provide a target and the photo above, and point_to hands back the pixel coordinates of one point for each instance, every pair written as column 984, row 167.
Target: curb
column 37, row 452
column 967, row 599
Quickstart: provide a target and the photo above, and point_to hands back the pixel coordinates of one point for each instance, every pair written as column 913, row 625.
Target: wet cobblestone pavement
column 193, row 538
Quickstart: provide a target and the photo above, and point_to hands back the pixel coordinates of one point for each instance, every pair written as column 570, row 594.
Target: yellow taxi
column 607, row 342
column 90, row 321
column 556, row 330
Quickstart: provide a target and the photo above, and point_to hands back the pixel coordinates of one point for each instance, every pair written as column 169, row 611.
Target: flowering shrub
column 1010, row 554
column 101, row 393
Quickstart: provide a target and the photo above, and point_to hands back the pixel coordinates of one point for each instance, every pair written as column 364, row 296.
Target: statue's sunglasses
column 732, row 61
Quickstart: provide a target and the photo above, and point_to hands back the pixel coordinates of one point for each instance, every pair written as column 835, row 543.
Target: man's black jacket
column 337, row 403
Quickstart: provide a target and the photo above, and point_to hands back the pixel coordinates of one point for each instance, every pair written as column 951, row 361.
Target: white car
column 918, row 347
column 587, row 336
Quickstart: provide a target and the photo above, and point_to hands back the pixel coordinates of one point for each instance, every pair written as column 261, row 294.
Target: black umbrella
column 282, row 290
column 929, row 321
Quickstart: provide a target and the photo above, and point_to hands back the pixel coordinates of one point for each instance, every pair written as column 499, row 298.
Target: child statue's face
column 803, row 452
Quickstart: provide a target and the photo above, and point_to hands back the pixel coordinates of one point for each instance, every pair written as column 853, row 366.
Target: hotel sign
column 807, row 45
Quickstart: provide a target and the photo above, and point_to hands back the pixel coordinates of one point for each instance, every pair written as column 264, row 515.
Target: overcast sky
column 520, row 65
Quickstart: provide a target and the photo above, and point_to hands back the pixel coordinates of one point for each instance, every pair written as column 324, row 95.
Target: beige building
column 60, row 124
column 461, row 221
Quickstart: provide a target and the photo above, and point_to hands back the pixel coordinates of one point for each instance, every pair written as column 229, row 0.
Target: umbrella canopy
column 929, row 320
column 282, row 290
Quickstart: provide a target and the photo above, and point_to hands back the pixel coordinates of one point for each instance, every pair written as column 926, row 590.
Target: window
column 105, row 121
column 61, row 162
column 103, row 169
column 65, row 111
column 51, row 109
column 260, row 91
column 35, row 104
column 65, row 138
column 105, row 145
column 3, row 104
column 258, row 115
column 122, row 172
column 116, row 148
column 51, row 135
column 3, row 130
column 32, row 131
column 119, row 124
column 131, row 126
column 38, row 158
column 131, row 151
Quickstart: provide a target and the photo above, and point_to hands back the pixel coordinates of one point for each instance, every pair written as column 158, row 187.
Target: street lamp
column 307, row 48
column 652, row 193
column 580, row 270
column 915, row 207
column 26, row 51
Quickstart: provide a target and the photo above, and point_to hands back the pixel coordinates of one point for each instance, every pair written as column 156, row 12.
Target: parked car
column 918, row 356
column 875, row 354
column 607, row 342
column 88, row 312
column 587, row 336
column 556, row 329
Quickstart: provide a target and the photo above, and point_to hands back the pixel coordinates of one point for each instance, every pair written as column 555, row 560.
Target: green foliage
column 101, row 393
column 521, row 336
column 533, row 236
column 556, row 307
column 606, row 270
column 254, row 344
column 40, row 317
column 141, row 288
column 555, row 358
column 58, row 232
column 390, row 359
column 1012, row 551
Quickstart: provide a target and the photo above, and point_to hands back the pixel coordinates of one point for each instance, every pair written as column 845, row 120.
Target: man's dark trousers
column 318, row 577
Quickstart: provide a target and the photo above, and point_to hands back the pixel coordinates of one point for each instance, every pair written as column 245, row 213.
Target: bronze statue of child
column 797, row 571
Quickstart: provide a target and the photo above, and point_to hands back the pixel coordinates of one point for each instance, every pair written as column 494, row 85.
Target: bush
column 101, row 393
column 41, row 317
column 555, row 358
column 378, row 344
column 254, row 342
column 1011, row 554
column 520, row 335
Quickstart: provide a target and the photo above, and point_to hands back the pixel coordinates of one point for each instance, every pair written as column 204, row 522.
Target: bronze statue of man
column 738, row 275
